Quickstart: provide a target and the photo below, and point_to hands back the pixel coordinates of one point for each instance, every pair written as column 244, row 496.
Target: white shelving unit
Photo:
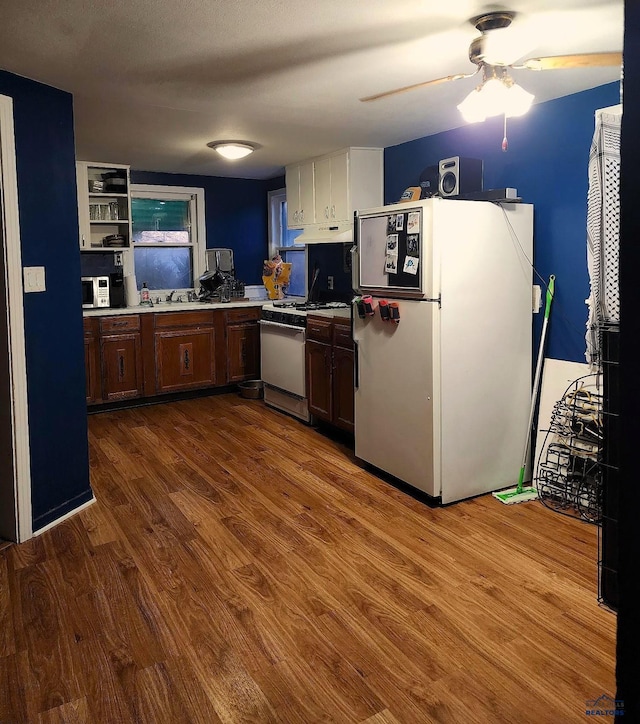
column 106, row 212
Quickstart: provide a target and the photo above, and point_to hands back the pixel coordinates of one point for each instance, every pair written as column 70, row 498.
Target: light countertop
column 173, row 307
column 331, row 313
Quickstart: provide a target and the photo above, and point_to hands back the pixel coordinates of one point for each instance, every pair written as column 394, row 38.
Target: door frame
column 13, row 305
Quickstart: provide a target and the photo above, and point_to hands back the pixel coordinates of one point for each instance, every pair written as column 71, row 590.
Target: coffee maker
column 116, row 288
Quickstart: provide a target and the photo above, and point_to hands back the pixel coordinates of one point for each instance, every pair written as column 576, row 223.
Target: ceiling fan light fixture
column 518, row 101
column 495, row 97
column 472, row 107
column 232, row 150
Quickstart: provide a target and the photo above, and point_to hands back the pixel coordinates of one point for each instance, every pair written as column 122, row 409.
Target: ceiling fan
column 495, row 70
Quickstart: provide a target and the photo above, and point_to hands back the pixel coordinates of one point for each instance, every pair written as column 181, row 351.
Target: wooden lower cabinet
column 156, row 353
column 186, row 350
column 243, row 344
column 319, row 376
column 121, row 366
column 120, row 357
column 184, row 359
column 342, row 389
column 330, row 378
column 93, row 382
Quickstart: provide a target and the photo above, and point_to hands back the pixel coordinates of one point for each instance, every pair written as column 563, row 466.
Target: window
column 168, row 236
column 283, row 241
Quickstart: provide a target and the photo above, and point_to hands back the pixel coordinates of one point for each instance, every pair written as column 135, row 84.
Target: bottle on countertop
column 145, row 297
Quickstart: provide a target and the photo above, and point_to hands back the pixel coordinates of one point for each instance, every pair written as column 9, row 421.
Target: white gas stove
column 282, row 350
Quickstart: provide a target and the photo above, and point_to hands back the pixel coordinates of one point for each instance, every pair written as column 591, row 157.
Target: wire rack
column 569, row 474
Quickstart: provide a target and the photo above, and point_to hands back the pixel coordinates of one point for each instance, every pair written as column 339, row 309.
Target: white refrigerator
column 442, row 395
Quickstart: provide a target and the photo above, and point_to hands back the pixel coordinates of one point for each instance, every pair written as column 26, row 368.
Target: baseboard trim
column 64, row 517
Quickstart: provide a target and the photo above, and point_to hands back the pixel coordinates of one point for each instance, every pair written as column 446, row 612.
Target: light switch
column 34, row 279
column 536, row 298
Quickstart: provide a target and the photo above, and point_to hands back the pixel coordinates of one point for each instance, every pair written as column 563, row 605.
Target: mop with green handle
column 520, row 494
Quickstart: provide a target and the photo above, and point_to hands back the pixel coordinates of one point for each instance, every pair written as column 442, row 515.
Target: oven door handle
column 289, row 327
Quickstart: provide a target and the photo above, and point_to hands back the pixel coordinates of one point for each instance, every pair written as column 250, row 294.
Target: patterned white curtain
column 603, row 227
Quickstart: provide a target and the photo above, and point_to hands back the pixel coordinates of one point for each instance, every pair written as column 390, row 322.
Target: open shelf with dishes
column 104, row 206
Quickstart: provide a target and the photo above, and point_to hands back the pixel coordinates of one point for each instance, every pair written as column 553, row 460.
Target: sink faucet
column 170, row 296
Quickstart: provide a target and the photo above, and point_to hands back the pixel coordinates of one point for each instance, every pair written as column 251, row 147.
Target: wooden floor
column 241, row 567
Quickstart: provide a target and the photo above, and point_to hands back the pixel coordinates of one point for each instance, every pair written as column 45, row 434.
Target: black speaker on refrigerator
column 429, row 182
column 458, row 175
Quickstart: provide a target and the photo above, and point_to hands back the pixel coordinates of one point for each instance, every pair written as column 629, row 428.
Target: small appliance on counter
column 95, row 292
column 116, row 289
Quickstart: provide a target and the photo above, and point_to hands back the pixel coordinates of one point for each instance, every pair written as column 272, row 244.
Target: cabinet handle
column 301, row 215
column 333, row 211
column 295, row 216
column 186, row 359
column 120, row 366
column 326, row 212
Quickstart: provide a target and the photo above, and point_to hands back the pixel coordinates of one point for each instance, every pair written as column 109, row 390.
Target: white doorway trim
column 15, row 321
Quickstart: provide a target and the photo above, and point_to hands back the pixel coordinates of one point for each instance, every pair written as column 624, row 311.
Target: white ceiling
column 154, row 81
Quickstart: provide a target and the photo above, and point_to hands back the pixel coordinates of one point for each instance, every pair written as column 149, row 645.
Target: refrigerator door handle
column 356, row 366
column 355, row 268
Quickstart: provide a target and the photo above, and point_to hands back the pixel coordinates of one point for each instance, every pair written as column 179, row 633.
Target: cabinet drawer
column 342, row 335
column 183, row 319
column 123, row 323
column 319, row 329
column 243, row 315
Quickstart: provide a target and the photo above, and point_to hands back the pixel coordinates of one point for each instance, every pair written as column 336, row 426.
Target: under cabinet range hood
column 339, row 232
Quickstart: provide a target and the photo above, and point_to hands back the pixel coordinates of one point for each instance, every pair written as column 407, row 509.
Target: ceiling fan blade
column 377, row 96
column 582, row 60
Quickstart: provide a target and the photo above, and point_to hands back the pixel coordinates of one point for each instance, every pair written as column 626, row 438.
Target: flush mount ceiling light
column 232, row 150
column 497, row 95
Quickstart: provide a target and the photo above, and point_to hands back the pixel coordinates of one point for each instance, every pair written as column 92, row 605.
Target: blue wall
column 547, row 163
column 235, row 213
column 43, row 118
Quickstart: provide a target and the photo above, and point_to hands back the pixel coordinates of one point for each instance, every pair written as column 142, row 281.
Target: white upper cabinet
column 299, row 180
column 322, row 169
column 343, row 181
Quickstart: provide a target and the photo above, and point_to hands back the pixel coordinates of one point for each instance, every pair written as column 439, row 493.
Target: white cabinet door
column 292, row 183
column 82, row 183
column 340, row 209
column 307, row 201
column 323, row 189
column 326, row 190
